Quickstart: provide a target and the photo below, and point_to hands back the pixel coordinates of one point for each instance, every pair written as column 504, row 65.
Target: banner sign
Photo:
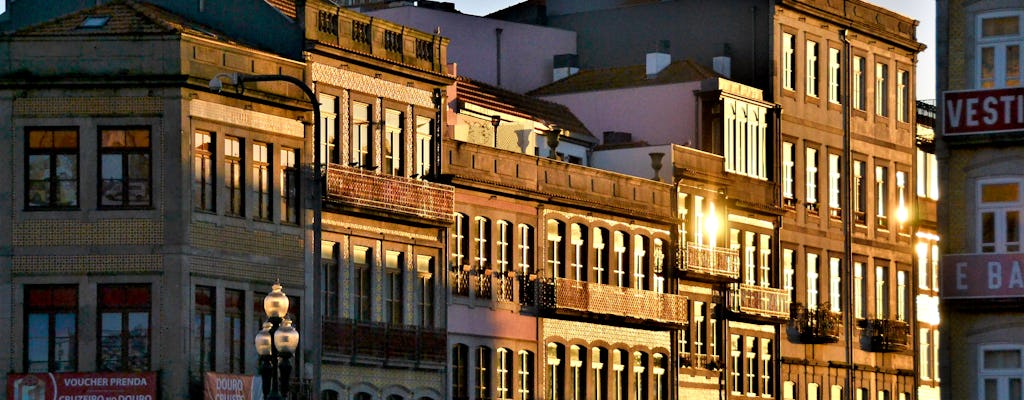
column 982, row 276
column 983, row 111
column 231, row 387
column 82, row 386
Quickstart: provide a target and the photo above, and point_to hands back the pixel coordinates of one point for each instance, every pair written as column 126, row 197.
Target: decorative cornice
column 246, row 118
column 373, row 86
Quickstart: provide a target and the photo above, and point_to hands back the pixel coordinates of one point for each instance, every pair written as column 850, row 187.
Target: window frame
column 52, row 312
column 788, row 61
column 999, row 61
column 234, row 176
column 811, row 73
column 53, row 153
column 126, row 153
column 125, row 336
column 262, row 182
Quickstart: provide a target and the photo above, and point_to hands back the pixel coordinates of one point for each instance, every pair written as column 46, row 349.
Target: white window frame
column 1002, row 376
column 811, row 73
column 881, row 89
column 811, row 166
column 813, row 276
column 788, row 61
column 858, row 289
column 788, row 170
column 903, row 102
column 1000, row 46
column 834, row 76
column 835, row 297
column 835, row 189
column 859, row 86
column 1001, row 216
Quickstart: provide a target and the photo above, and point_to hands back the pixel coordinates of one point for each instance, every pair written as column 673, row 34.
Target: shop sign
column 231, row 387
column 982, row 276
column 983, row 111
column 82, row 386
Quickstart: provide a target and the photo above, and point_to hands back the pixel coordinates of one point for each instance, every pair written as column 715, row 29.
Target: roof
column 121, row 17
column 286, row 7
column 529, row 107
column 626, row 77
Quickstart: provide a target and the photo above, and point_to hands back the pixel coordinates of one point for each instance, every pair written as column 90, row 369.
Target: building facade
column 977, row 147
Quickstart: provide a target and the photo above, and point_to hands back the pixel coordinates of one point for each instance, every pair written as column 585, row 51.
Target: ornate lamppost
column 275, row 344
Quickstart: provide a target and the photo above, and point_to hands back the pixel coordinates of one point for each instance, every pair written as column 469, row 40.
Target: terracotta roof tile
column 499, row 99
column 123, row 17
column 286, row 7
column 625, row 77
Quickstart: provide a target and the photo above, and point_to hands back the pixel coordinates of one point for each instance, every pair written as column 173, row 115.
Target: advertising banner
column 82, row 386
column 231, row 387
column 983, row 111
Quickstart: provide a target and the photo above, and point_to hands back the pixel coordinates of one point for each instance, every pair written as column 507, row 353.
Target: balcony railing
column 563, row 294
column 707, row 260
column 759, row 301
column 695, row 360
column 819, row 325
column 886, row 335
column 379, row 342
column 395, row 196
column 486, row 284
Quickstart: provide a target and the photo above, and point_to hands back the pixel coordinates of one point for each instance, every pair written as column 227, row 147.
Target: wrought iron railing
column 886, row 335
column 697, row 360
column 569, row 294
column 506, row 286
column 820, row 325
column 759, row 300
column 708, row 260
column 375, row 340
column 459, row 281
column 395, row 195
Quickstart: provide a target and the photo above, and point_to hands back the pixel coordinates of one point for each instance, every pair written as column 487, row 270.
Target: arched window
column 525, row 373
column 641, row 372
column 641, row 262
column 556, row 248
column 578, row 240
column 482, row 387
column 526, row 237
column 503, row 370
column 601, row 251
column 578, row 372
column 482, row 243
column 556, row 370
column 460, row 240
column 328, row 395
column 599, row 363
column 460, row 374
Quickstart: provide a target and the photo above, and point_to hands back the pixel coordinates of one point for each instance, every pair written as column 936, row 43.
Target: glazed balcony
column 759, row 302
column 631, row 306
column 383, row 344
column 362, row 191
column 885, row 335
column 703, row 262
column 816, row 326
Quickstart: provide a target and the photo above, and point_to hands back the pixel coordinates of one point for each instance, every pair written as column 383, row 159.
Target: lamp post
column 313, row 247
column 275, row 344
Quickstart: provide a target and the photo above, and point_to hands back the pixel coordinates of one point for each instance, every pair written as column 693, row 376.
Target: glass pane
column 67, row 194
column 111, row 166
column 67, row 166
column 38, row 341
column 991, row 389
column 1002, row 359
column 64, row 348
column 988, row 228
column 65, row 139
column 138, row 138
column 988, row 66
column 1015, row 391
column 38, row 167
column 1012, row 226
column 112, row 138
column 1012, row 66
column 138, row 344
column 1000, row 26
column 110, row 342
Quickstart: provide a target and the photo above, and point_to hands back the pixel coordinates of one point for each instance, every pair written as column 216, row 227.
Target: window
column 881, row 292
column 860, row 193
column 577, row 364
column 811, row 166
column 503, row 368
column 51, row 328
column 834, row 76
column 904, row 105
column 859, row 290
column 699, row 327
column 125, row 168
column 599, row 359
column 525, row 249
column 578, row 241
column 659, row 266
column 460, row 372
column 881, row 89
column 394, row 265
column 750, row 379
column 234, row 311
column 660, row 370
column 424, row 133
column 289, row 186
column 902, row 296
column 927, row 175
column 124, row 328
column 483, row 244
column 620, row 383
column 835, row 189
column 835, row 273
column 788, row 61
column 745, row 138
column 203, row 350
column 788, row 390
column 812, row 281
column 360, row 136
column 812, row 68
column 999, row 57
column 601, row 248
column 362, row 263
column 555, row 250
column 621, row 243
column 525, row 373
column 234, row 179
column 555, row 355
column 394, row 142
column 788, row 174
column 641, row 264
column 1000, row 204
column 813, row 391
column 882, row 196
column 736, row 351
column 329, row 130
column 788, row 271
column 901, row 202
column 261, row 180
column 767, row 369
column 482, row 386
column 640, row 375
column 425, row 272
column 52, row 168
column 836, row 392
column 504, row 238
column 884, row 395
column 460, row 240
column 203, row 172
column 331, row 294
column 1001, row 372
column 859, row 89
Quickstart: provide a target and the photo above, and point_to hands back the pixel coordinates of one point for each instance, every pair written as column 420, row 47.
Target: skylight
column 94, row 21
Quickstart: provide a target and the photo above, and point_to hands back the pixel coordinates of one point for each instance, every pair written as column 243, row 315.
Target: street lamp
column 275, row 344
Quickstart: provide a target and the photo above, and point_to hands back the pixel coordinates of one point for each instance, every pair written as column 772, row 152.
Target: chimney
column 658, row 59
column 565, row 65
column 722, row 65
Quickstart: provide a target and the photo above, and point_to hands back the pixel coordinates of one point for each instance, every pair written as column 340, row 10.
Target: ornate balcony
column 363, row 191
column 815, row 326
column 758, row 301
column 575, row 298
column 483, row 285
column 375, row 342
column 886, row 335
column 718, row 263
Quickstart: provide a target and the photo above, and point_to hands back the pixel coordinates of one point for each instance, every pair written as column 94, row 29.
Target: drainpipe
column 847, row 217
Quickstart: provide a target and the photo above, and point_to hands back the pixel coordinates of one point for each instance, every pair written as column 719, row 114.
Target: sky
column 921, row 10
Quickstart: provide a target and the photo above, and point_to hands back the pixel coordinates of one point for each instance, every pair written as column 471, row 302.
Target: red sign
column 982, row 276
column 983, row 111
column 82, row 386
column 229, row 387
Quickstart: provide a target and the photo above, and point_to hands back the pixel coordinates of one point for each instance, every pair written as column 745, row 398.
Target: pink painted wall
column 481, row 321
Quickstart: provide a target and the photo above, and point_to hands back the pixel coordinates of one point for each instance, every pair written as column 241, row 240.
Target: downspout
column 847, row 216
column 497, row 55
